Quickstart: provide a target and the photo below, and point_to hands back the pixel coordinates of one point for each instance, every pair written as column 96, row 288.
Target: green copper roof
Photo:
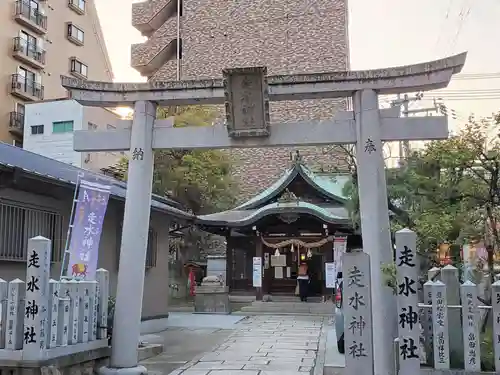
column 245, row 217
column 329, row 185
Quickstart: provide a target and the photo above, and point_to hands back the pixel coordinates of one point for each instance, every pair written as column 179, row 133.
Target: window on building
column 20, row 109
column 110, row 127
column 28, row 43
column 37, row 129
column 92, row 126
column 75, row 34
column 62, row 127
column 20, row 222
column 78, row 4
column 78, row 67
column 26, row 77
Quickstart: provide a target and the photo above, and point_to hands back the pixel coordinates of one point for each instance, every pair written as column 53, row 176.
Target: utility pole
column 404, row 146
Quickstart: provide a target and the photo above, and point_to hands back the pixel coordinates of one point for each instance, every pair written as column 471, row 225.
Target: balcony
column 150, row 56
column 30, row 17
column 28, row 53
column 16, row 123
column 148, row 16
column 25, row 88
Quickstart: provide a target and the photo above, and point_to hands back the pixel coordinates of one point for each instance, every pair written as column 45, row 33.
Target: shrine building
column 295, row 220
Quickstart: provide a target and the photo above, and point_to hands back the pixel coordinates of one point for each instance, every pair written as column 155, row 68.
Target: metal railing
column 19, row 223
column 16, row 121
column 25, row 9
column 29, row 50
column 28, row 86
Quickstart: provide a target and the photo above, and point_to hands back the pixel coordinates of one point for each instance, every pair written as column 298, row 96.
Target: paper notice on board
column 257, row 272
column 278, row 272
column 330, row 275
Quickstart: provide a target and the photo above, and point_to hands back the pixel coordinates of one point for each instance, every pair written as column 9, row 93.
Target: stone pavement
column 188, row 336
column 266, row 345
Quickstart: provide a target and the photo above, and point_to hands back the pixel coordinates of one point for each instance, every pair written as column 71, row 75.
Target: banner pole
column 70, row 227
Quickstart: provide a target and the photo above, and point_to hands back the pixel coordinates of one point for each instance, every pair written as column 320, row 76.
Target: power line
column 463, row 17
column 441, row 30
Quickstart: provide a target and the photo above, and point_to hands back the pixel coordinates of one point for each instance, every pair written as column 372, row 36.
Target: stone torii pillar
column 246, row 93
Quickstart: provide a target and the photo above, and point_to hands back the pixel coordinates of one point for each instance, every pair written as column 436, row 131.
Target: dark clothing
column 303, row 289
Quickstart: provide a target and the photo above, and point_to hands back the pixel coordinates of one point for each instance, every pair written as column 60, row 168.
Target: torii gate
column 246, row 93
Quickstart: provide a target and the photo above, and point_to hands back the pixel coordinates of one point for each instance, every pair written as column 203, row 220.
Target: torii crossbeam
column 246, row 93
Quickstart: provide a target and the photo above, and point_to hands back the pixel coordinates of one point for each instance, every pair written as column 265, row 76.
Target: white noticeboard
column 257, row 272
column 330, row 274
column 339, row 248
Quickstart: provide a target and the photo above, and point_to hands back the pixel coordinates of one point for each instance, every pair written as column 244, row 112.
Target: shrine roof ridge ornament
column 418, row 77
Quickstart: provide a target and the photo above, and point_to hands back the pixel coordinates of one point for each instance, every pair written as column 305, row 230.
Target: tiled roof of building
column 35, row 164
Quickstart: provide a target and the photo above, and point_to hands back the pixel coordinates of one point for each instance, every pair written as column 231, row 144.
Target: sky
column 384, row 33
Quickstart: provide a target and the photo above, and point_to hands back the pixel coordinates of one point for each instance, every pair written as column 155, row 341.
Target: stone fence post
column 407, row 291
column 357, row 313
column 440, row 326
column 495, row 293
column 470, row 327
column 449, row 276
column 102, row 277
column 36, row 317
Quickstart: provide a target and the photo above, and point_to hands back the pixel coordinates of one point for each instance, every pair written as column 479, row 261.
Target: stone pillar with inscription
column 440, row 327
column 130, row 285
column 427, row 314
column 357, row 313
column 408, row 322
column 102, row 277
column 15, row 316
column 94, row 300
column 449, row 276
column 53, row 312
column 64, row 313
column 36, row 314
column 4, row 298
column 375, row 228
column 83, row 325
column 495, row 302
column 74, row 311
column 470, row 326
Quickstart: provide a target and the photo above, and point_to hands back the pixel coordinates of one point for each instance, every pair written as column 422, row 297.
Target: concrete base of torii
column 368, row 127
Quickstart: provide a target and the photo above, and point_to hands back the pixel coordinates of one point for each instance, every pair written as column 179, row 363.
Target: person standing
column 303, row 280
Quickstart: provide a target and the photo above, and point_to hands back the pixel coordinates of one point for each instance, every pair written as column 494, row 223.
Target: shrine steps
column 288, row 308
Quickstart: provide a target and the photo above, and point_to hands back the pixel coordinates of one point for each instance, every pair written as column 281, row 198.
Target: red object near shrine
column 192, row 283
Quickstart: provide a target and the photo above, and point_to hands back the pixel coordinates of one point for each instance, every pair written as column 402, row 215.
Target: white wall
column 55, row 146
column 59, row 146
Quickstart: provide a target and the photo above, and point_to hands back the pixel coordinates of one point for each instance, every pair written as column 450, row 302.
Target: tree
column 448, row 191
column 200, row 180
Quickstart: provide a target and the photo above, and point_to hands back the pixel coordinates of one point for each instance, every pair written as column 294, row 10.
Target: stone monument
column 212, row 297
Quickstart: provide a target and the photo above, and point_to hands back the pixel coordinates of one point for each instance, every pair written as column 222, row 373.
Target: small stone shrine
column 212, row 297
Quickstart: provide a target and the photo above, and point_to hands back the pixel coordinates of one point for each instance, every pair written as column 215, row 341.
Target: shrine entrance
column 294, row 221
column 282, row 260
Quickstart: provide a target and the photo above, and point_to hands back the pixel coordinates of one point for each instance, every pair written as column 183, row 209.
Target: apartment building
column 39, row 41
column 194, row 39
column 49, row 127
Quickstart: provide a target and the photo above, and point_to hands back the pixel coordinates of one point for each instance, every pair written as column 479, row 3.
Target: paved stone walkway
column 265, row 345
